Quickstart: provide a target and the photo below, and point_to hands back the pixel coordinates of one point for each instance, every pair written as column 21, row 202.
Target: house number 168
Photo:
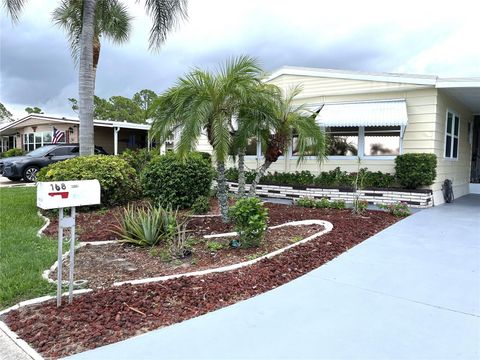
column 58, row 187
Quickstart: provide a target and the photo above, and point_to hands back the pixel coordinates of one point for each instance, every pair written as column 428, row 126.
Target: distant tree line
column 119, row 108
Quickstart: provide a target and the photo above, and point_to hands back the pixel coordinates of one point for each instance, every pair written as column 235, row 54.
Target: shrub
column 335, row 177
column 359, row 206
column 118, row 180
column 306, row 202
column 147, row 226
column 176, row 182
column 201, row 205
column 338, row 204
column 415, row 170
column 138, row 158
column 250, row 217
column 231, row 174
column 12, row 152
column 399, row 209
column 323, row 203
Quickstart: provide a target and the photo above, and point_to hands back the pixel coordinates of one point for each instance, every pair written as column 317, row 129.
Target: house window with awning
column 364, row 129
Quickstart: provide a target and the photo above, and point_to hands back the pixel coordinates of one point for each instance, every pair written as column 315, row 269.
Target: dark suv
column 26, row 167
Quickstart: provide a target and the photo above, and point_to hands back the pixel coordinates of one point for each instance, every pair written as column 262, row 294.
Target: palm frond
column 14, row 8
column 165, row 14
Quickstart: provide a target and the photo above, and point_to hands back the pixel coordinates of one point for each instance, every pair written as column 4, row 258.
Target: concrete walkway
column 409, row 292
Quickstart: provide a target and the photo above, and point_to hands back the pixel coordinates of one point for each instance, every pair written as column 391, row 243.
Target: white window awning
column 367, row 113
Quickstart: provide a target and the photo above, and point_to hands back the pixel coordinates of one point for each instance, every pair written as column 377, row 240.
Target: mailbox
column 67, row 194
column 63, row 194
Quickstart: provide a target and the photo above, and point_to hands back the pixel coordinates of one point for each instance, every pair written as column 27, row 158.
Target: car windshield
column 41, row 151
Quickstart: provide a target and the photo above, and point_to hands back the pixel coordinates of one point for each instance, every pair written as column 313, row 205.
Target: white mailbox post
column 59, row 195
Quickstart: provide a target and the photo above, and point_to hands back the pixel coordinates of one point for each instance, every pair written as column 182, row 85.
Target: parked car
column 27, row 166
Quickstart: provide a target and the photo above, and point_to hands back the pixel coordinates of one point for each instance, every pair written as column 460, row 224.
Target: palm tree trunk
column 241, row 173
column 222, row 194
column 86, row 79
column 260, row 173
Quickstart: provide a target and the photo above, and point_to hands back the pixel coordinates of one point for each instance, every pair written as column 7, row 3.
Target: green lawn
column 23, row 256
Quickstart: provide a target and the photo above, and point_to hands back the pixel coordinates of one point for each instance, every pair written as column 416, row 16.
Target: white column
column 115, row 140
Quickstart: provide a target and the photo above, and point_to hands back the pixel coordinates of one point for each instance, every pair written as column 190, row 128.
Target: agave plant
column 147, row 225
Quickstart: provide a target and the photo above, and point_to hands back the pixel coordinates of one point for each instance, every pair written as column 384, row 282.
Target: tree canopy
column 120, row 108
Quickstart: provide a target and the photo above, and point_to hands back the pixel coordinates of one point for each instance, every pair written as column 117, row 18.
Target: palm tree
column 290, row 120
column 165, row 16
column 254, row 121
column 205, row 101
column 112, row 21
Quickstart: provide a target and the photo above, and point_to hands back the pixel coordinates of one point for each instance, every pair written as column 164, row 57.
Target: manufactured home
column 381, row 115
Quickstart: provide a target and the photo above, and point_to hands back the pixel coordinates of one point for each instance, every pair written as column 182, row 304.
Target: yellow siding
column 322, row 86
column 456, row 170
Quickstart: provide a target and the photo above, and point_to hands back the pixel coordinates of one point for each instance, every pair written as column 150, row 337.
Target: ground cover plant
column 399, row 209
column 106, row 316
column 23, row 256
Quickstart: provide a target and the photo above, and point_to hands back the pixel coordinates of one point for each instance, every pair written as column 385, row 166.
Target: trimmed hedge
column 175, row 182
column 118, row 180
column 333, row 178
column 416, row 170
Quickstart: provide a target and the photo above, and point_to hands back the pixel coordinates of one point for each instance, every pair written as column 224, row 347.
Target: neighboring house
column 376, row 116
column 36, row 130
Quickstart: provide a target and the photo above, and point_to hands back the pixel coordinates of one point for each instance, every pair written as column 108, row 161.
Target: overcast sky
column 420, row 37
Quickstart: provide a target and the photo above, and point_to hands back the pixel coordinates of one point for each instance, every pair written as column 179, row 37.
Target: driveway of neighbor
column 410, row 292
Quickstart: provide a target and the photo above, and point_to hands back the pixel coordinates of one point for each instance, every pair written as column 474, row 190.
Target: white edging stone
column 40, row 300
column 326, row 224
column 47, row 222
column 23, row 345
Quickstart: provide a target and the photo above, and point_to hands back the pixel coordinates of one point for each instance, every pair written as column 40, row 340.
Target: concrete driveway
column 409, row 292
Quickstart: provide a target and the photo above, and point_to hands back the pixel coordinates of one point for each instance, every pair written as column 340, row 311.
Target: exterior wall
column 70, row 138
column 457, row 170
column 419, row 134
column 323, row 86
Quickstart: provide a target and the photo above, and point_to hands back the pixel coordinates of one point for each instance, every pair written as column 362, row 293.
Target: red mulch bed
column 110, row 315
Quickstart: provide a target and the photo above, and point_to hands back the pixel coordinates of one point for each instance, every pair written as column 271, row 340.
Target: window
column 295, row 150
column 251, row 148
column 451, row 135
column 360, row 141
column 63, row 151
column 342, row 141
column 32, row 141
column 382, row 141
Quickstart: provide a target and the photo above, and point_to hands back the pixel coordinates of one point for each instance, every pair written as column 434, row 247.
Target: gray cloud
column 36, row 68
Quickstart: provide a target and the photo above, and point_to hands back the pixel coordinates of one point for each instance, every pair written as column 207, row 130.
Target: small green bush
column 250, row 218
column 138, row 158
column 338, row 204
column 147, row 226
column 12, row 152
column 399, row 209
column 175, row 182
column 416, row 170
column 359, row 206
column 201, row 205
column 323, row 203
column 306, row 202
column 118, row 180
column 214, row 246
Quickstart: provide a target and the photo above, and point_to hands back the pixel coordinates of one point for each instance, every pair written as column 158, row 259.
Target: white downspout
column 115, row 140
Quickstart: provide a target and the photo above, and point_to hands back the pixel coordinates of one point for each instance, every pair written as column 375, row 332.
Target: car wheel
column 13, row 178
column 30, row 173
